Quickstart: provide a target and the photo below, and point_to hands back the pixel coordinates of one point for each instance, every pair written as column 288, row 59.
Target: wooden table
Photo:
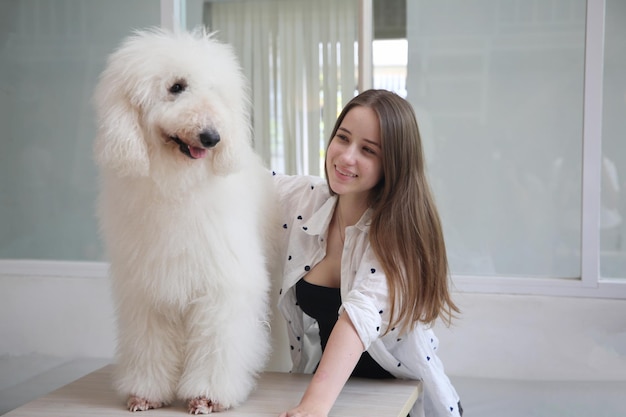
column 93, row 395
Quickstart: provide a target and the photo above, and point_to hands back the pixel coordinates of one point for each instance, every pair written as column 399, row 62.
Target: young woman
column 365, row 271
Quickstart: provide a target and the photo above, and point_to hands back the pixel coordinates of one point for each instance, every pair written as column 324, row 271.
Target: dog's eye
column 177, row 88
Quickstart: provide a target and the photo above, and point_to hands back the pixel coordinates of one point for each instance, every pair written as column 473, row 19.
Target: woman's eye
column 369, row 150
column 342, row 137
column 177, row 88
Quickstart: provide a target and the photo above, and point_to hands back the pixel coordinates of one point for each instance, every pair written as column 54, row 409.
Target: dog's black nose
column 209, row 138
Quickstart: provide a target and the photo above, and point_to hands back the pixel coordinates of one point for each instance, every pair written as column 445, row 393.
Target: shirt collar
column 319, row 221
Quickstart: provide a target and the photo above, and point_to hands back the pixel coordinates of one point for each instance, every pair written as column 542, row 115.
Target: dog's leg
column 227, row 346
column 148, row 355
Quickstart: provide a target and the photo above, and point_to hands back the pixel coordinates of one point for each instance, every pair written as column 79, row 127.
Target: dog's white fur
column 185, row 237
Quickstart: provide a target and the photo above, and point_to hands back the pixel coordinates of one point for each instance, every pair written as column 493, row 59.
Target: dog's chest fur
column 208, row 233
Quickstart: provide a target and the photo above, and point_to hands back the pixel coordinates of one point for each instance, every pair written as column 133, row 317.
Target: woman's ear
column 120, row 145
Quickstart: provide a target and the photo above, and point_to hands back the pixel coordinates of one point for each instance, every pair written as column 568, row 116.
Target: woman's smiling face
column 353, row 159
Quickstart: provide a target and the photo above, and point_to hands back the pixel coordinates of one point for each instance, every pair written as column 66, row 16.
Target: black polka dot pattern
column 301, row 266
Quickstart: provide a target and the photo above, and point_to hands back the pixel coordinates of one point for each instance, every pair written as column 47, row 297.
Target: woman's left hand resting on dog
column 341, row 355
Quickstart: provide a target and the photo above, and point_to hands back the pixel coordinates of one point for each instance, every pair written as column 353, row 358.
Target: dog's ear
column 119, row 145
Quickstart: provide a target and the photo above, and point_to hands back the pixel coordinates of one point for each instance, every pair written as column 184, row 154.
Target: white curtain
column 300, row 59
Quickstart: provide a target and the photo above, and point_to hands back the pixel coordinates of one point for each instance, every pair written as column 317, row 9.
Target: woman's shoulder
column 289, row 186
column 302, row 193
column 297, row 181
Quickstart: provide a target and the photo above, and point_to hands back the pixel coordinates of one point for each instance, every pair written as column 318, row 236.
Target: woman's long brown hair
column 406, row 233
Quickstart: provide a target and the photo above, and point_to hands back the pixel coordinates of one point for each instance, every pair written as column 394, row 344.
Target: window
column 52, row 52
column 499, row 90
column 521, row 107
column 613, row 168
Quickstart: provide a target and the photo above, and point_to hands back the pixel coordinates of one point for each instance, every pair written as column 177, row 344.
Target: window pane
column 51, row 53
column 390, row 59
column 613, row 208
column 498, row 88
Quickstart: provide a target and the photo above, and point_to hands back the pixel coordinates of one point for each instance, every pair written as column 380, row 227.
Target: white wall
column 498, row 336
column 57, row 316
column 536, row 337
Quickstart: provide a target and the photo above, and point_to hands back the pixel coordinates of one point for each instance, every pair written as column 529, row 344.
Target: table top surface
column 93, row 395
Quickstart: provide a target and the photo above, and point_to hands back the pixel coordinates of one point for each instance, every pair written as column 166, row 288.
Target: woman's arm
column 343, row 350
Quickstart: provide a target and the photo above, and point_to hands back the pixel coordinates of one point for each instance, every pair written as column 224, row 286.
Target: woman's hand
column 343, row 350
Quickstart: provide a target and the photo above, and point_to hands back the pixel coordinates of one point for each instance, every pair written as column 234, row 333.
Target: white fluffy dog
column 184, row 210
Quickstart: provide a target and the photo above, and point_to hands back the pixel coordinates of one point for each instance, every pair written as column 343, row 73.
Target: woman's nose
column 349, row 154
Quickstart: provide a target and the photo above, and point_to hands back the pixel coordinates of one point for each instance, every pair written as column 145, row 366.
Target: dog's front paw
column 202, row 405
column 135, row 403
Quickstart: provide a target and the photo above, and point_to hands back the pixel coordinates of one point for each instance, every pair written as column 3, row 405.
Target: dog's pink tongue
column 197, row 153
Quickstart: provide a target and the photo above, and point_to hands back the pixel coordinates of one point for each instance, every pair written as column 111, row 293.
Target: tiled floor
column 25, row 378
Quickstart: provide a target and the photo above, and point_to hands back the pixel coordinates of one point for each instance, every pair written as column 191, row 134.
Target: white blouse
column 306, row 210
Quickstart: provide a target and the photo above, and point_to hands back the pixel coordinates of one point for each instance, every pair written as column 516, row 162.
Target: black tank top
column 322, row 304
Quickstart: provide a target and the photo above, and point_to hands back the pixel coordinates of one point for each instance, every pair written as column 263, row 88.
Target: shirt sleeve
column 366, row 301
